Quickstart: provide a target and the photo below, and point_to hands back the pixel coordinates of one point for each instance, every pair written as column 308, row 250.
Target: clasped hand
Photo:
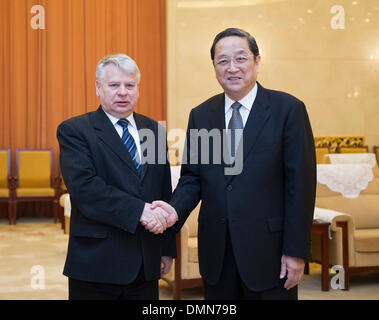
column 158, row 216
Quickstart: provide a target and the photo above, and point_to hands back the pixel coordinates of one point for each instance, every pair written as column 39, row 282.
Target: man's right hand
column 170, row 210
column 159, row 216
column 154, row 220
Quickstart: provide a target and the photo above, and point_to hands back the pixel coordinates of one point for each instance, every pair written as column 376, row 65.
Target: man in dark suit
column 257, row 204
column 110, row 254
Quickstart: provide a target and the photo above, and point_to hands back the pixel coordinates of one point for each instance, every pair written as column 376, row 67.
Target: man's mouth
column 234, row 78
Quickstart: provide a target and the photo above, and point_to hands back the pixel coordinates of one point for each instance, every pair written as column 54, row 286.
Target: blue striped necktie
column 130, row 144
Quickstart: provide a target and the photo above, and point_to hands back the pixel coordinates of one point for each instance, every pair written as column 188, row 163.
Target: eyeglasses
column 239, row 60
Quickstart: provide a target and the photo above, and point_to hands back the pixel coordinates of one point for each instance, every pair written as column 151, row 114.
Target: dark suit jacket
column 107, row 243
column 269, row 205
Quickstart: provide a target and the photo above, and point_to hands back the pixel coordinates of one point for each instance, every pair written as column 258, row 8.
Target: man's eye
column 241, row 59
column 222, row 61
column 113, row 85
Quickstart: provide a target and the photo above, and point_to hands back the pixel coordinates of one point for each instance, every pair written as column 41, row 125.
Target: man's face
column 118, row 91
column 236, row 69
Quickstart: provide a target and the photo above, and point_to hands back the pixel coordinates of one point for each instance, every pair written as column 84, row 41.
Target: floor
column 32, row 255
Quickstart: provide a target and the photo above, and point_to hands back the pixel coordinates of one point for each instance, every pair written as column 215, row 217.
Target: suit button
column 229, row 188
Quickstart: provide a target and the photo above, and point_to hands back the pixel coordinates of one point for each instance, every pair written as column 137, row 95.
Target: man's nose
column 232, row 65
column 122, row 90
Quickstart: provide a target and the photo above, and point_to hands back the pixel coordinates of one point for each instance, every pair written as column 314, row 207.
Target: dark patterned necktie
column 235, row 123
column 130, row 144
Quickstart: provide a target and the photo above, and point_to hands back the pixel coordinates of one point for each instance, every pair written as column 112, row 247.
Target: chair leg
column 61, row 216
column 10, row 211
column 55, row 210
column 177, row 291
column 14, row 218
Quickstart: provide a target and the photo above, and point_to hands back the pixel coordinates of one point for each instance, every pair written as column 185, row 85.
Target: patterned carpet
column 32, row 255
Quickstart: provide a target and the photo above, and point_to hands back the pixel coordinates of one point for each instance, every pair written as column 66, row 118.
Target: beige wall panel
column 334, row 71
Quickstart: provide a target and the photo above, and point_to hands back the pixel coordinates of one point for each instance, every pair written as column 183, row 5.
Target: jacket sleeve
column 169, row 247
column 299, row 183
column 187, row 195
column 88, row 191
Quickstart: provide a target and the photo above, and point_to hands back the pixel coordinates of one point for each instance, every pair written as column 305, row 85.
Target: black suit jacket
column 269, row 205
column 107, row 243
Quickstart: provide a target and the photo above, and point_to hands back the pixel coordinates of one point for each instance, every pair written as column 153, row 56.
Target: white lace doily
column 351, row 158
column 347, row 179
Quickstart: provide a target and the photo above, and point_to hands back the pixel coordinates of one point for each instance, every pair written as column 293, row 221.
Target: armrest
column 343, row 217
column 55, row 182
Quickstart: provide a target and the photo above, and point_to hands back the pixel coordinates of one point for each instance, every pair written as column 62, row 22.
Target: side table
column 323, row 229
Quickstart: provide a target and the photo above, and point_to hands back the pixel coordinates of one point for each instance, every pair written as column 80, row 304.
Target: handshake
column 158, row 216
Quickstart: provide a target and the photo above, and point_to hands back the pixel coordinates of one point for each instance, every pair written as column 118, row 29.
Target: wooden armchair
column 354, row 230
column 185, row 272
column 34, row 181
column 61, row 194
column 376, row 151
column 320, row 153
column 6, row 181
column 352, row 149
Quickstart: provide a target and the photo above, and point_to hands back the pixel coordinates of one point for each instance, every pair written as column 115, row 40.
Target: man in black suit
column 257, row 204
column 110, row 254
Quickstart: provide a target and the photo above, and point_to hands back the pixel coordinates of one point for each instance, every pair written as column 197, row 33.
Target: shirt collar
column 247, row 101
column 114, row 119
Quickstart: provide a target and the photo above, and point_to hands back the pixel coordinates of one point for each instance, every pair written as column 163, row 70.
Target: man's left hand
column 294, row 268
column 166, row 265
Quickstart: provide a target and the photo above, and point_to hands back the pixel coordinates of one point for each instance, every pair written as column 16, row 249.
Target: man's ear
column 98, row 86
column 257, row 62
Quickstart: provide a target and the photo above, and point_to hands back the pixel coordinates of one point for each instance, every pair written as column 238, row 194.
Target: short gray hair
column 121, row 61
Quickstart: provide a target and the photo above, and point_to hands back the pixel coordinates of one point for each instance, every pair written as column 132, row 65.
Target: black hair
column 239, row 33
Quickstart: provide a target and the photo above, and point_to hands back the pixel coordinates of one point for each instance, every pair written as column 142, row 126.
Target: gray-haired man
column 110, row 254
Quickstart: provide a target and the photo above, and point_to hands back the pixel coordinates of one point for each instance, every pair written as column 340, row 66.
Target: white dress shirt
column 246, row 102
column 132, row 128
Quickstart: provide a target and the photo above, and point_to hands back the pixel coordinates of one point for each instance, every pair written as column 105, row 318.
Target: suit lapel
column 108, row 134
column 217, row 120
column 218, row 110
column 258, row 116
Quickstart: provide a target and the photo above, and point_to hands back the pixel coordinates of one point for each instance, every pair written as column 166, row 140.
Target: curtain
column 48, row 75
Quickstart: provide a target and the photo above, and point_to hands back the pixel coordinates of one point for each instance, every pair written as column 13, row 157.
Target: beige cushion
column 322, row 190
column 366, row 240
column 192, row 249
column 372, row 187
column 192, row 223
column 364, row 209
column 67, row 225
column 376, row 171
